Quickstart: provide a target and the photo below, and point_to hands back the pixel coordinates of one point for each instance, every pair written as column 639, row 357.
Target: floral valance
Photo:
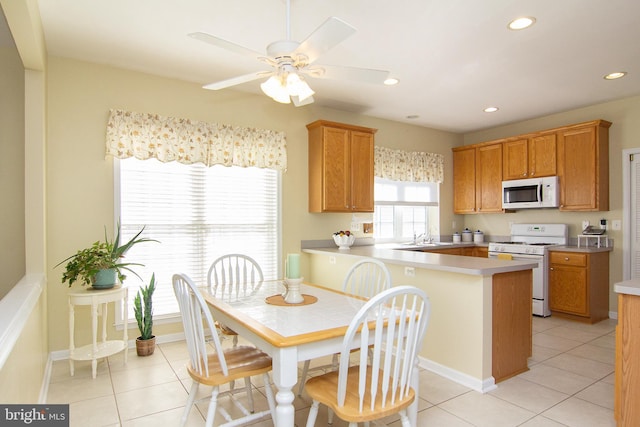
column 411, row 166
column 145, row 136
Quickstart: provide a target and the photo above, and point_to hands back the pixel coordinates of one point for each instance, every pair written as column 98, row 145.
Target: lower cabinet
column 627, row 376
column 579, row 285
column 477, row 251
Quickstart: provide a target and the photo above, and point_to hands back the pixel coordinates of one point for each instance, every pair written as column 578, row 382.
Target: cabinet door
column 464, row 181
column 336, row 175
column 542, row 155
column 489, row 178
column 361, row 154
column 568, row 289
column 515, row 159
column 578, row 169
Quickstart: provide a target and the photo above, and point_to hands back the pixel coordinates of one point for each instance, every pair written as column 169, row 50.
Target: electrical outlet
column 332, row 260
column 409, row 271
column 616, row 224
column 585, row 223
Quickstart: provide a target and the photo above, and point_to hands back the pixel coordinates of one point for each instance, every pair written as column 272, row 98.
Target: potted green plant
column 100, row 265
column 143, row 310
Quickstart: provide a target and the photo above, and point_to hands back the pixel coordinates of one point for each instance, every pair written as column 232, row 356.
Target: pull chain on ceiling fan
column 292, row 61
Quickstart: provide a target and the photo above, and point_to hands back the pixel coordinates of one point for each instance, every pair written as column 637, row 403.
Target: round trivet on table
column 279, row 300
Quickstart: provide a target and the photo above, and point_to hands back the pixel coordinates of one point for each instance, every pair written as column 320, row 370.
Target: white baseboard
column 476, row 384
column 613, row 315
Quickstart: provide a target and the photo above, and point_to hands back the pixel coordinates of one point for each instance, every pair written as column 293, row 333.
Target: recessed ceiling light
column 521, row 23
column 391, row 81
column 616, row 75
column 490, row 109
column 412, row 116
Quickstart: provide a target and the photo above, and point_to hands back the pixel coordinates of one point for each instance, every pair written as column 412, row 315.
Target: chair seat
column 324, row 389
column 242, row 361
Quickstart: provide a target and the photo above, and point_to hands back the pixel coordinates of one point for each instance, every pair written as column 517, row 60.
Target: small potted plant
column 143, row 310
column 100, row 265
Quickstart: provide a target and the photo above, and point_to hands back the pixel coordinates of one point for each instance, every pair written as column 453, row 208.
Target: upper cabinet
column 583, row 166
column 578, row 154
column 477, row 178
column 529, row 157
column 340, row 167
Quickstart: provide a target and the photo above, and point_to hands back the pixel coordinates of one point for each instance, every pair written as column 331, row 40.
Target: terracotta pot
column 145, row 347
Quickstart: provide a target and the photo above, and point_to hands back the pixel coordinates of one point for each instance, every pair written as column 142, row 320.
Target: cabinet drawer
column 569, row 258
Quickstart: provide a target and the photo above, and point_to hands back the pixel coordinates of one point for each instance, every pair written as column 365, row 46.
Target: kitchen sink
column 428, row 244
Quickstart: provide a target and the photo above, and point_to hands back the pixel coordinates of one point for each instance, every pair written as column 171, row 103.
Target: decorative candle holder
column 293, row 295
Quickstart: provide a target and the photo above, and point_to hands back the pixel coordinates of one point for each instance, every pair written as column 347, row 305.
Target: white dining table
column 291, row 333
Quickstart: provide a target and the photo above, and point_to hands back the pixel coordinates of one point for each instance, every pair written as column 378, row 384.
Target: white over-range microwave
column 530, row 193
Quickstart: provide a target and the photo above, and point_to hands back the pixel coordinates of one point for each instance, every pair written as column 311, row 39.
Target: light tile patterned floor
column 570, row 383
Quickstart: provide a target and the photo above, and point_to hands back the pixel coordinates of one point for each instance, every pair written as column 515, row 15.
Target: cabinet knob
column 524, row 174
column 566, row 258
column 550, row 268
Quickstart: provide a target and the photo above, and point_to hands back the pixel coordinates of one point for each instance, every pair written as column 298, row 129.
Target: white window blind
column 197, row 213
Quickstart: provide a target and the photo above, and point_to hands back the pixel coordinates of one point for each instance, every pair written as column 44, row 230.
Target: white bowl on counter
column 344, row 242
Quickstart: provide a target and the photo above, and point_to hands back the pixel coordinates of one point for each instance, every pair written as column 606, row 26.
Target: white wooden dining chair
column 395, row 322
column 220, row 366
column 365, row 278
column 233, row 275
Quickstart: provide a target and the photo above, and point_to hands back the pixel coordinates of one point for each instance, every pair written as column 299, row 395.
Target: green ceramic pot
column 105, row 279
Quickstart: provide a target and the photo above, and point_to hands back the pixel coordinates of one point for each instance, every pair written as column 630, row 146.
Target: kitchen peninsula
column 479, row 332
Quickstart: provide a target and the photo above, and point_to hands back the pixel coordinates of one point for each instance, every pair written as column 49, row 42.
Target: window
column 404, row 209
column 197, row 213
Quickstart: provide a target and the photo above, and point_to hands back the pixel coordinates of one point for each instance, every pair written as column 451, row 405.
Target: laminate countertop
column 629, row 287
column 390, row 253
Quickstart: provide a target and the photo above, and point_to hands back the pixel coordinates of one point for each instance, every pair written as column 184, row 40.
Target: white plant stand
column 98, row 300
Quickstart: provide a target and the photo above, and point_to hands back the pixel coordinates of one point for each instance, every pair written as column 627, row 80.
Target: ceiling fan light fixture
column 274, row 89
column 391, row 81
column 296, row 86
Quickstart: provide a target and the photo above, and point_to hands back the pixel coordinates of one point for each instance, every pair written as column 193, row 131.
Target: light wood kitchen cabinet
column 340, row 167
column 579, row 285
column 583, row 166
column 477, row 179
column 627, row 371
column 529, row 157
column 464, row 180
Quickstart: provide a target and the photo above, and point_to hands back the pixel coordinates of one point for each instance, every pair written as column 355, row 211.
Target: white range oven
column 530, row 242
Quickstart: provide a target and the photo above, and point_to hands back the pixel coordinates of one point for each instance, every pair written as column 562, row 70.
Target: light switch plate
column 616, row 224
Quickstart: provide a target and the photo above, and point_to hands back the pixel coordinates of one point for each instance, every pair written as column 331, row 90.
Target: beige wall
column 23, row 372
column 624, row 133
column 80, row 178
column 12, row 256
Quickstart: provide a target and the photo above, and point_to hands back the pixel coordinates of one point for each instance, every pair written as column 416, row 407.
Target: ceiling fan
column 292, row 61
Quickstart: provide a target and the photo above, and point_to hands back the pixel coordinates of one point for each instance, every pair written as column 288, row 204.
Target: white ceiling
column 453, row 57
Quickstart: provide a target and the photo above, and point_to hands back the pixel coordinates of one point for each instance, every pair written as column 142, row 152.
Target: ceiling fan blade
column 225, row 44
column 222, row 84
column 337, row 72
column 326, row 36
column 296, row 101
